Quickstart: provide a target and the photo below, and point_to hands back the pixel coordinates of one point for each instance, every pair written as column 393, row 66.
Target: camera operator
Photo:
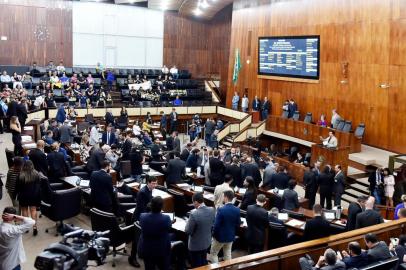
column 11, row 244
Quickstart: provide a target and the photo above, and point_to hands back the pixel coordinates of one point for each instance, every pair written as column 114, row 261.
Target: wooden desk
column 35, row 123
column 187, row 190
column 288, row 257
column 169, row 204
column 330, row 156
column 303, row 202
column 311, row 132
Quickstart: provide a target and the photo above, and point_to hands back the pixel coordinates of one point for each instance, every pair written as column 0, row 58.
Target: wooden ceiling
column 184, row 7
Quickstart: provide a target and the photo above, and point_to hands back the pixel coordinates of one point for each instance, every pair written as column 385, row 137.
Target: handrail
column 301, row 248
column 224, row 132
column 216, row 98
column 246, row 121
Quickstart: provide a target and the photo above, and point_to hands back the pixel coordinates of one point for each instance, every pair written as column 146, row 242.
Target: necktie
column 108, row 137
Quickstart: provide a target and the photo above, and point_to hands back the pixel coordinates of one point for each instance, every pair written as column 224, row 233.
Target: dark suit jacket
column 251, row 169
column 226, row 223
column 176, row 145
column 175, row 171
column 290, row 199
column 279, row 180
column 256, row 105
column 372, row 180
column 326, row 183
column 95, row 160
column 66, row 134
column 356, row 261
column 235, row 172
column 172, row 116
column 353, row 210
column 217, row 171
column 292, row 108
column 112, row 138
column 144, row 196
column 185, row 154
column 109, row 118
column 102, row 192
column 248, row 199
column 39, row 159
column 155, row 240
column 191, row 162
column 126, row 149
column 169, row 143
column 266, row 106
column 56, row 165
column 339, row 183
column 22, row 113
column 310, row 181
column 316, row 228
column 368, row 218
column 257, row 221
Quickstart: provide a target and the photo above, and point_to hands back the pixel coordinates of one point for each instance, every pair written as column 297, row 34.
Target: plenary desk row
column 288, row 257
column 311, row 133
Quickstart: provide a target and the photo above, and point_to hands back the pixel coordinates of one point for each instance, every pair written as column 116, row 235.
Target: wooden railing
column 288, row 257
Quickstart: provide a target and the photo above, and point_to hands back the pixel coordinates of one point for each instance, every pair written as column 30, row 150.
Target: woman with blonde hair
column 29, row 192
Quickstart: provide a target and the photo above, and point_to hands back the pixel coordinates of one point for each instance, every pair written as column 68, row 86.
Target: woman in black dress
column 29, row 192
column 15, row 128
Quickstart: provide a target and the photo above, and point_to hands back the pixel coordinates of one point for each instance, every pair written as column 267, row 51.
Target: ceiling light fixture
column 204, row 4
column 197, row 11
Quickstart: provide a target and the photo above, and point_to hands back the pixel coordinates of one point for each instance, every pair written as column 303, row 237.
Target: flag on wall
column 237, row 66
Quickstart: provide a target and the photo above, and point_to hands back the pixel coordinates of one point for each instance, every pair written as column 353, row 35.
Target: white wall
column 117, row 36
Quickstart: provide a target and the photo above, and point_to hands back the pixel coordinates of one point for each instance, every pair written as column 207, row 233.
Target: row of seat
column 119, row 73
column 179, row 83
column 342, row 125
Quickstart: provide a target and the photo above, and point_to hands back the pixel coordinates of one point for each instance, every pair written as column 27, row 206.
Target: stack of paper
column 294, row 223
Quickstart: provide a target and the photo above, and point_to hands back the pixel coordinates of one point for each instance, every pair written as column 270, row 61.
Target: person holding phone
column 15, row 128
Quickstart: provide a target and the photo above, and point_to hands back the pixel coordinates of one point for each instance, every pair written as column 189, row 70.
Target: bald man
column 368, row 217
column 38, row 158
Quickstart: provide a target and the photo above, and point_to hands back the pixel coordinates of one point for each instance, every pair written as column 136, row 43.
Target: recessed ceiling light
column 204, row 4
column 197, row 11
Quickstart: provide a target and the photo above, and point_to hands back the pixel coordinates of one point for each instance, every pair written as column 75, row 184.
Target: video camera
column 74, row 254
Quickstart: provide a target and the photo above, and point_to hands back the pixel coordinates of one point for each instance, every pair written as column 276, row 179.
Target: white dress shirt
column 12, row 251
column 94, row 136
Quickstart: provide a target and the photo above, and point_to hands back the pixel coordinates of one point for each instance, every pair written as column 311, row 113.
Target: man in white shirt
column 174, row 72
column 60, row 68
column 5, row 79
column 94, row 135
column 335, row 119
column 219, row 191
column 331, row 141
column 12, row 252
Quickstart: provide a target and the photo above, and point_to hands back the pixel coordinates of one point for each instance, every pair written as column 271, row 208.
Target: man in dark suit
column 198, row 227
column 144, row 197
column 326, row 183
column 102, row 191
column 317, row 227
column 368, row 217
column 217, row 169
column 96, row 158
column 310, row 182
column 38, row 158
column 186, row 152
column 156, row 150
column 355, row 258
column 66, row 134
column 22, row 113
column 175, row 170
column 109, row 137
column 109, row 118
column 265, row 108
column 273, row 216
column 126, row 147
column 257, row 222
column 339, row 185
column 174, row 120
column 256, row 104
column 280, row 179
column 353, row 210
column 225, row 226
column 155, row 244
column 56, row 163
column 176, row 142
column 163, row 121
column 234, row 170
column 375, row 180
column 292, row 108
column 192, row 160
column 290, row 198
column 377, row 250
column 250, row 168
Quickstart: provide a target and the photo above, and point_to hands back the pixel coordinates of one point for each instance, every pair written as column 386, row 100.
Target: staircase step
column 354, row 193
column 348, row 198
column 363, row 181
column 360, row 188
column 226, row 143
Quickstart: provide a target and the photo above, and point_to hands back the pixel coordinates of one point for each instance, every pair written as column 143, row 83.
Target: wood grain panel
column 20, row 19
column 368, row 35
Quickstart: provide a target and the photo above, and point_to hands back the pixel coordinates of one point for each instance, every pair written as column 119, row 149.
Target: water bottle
column 338, row 212
column 199, row 171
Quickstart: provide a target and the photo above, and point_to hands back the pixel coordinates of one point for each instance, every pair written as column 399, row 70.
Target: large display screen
column 294, row 56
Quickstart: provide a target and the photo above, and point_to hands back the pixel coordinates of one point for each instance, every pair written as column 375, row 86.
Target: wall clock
column 41, row 33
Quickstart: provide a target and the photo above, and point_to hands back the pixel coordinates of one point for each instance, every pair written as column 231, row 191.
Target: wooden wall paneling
column 368, row 35
column 20, row 19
